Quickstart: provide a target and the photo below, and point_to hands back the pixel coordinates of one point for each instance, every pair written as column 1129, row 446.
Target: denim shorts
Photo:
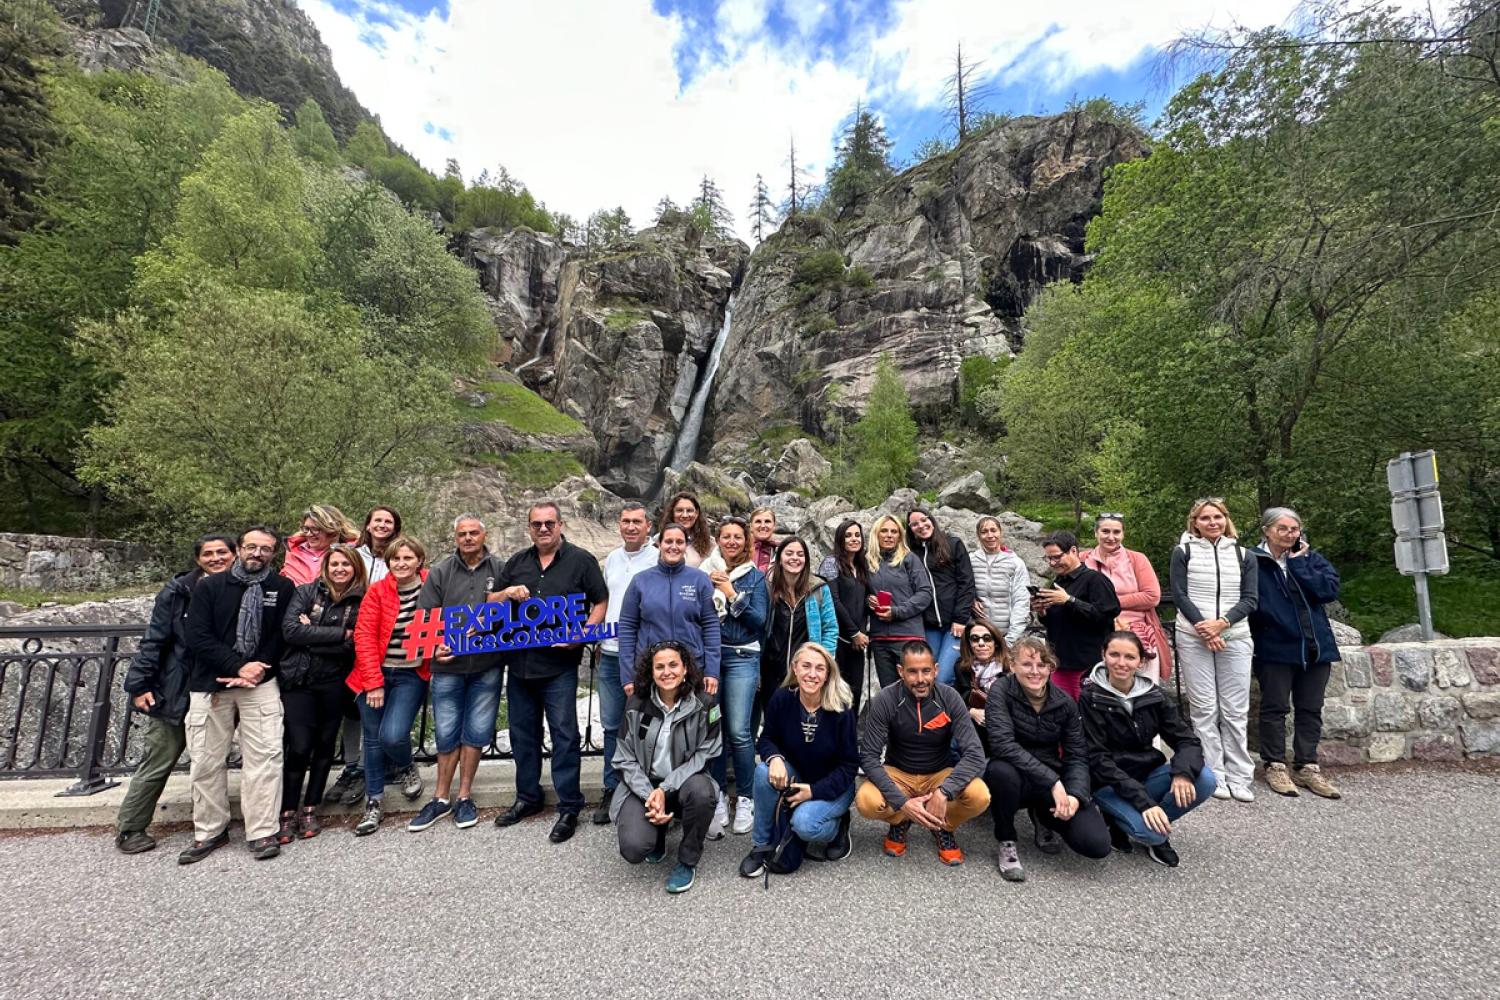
column 464, row 708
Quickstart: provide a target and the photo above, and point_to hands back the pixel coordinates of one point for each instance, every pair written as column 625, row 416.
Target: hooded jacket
column 319, row 652
column 1120, row 730
column 951, row 584
column 696, row 739
column 160, row 665
column 669, row 602
column 1289, row 624
column 1046, row 746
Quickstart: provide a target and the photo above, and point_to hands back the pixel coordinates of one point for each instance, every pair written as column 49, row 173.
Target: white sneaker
column 1241, row 793
column 744, row 815
column 1221, row 791
column 720, row 821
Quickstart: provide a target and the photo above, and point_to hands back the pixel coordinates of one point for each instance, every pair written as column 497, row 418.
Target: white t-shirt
column 620, row 567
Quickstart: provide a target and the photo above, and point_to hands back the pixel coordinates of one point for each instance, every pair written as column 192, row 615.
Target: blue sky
column 597, row 103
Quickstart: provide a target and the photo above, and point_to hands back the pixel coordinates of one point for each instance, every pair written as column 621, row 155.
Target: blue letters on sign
column 499, row 626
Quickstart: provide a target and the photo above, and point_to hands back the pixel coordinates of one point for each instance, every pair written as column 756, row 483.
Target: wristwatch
column 946, row 794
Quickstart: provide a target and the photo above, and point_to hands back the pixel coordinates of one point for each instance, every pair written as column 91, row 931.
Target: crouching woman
column 810, row 753
column 669, row 734
column 1139, row 792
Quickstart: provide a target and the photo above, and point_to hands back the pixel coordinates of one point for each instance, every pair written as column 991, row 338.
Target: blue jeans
column 557, row 698
column 945, row 646
column 816, row 821
column 739, row 676
column 1159, row 786
column 611, row 711
column 464, row 708
column 386, row 731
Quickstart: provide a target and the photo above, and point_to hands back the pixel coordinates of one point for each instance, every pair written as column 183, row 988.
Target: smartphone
column 883, row 599
column 1032, row 589
column 1301, row 545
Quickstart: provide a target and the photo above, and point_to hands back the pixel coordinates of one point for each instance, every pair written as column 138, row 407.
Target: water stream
column 686, row 448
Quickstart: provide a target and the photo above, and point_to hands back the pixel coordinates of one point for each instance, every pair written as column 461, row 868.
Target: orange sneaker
column 949, row 853
column 895, row 839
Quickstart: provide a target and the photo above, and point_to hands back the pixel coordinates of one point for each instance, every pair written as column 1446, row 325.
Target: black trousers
column 887, row 657
column 313, row 717
column 1010, row 790
column 693, row 803
column 1283, row 685
column 851, row 664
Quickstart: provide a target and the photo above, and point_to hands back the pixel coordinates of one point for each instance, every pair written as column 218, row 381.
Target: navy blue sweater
column 829, row 762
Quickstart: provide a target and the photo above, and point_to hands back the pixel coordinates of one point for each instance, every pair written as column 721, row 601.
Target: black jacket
column 849, row 601
column 1045, row 746
column 160, row 665
column 1077, row 629
column 951, row 584
column 324, row 650
column 1120, row 751
column 211, row 622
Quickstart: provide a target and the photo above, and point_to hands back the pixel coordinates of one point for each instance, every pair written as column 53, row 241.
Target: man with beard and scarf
column 235, row 642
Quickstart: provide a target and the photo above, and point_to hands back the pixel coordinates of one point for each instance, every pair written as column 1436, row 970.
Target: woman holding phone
column 898, row 597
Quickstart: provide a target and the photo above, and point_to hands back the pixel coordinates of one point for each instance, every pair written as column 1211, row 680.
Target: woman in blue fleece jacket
column 671, row 600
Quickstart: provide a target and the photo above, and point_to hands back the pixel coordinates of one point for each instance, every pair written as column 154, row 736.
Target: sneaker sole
column 465, row 824
column 1013, row 874
column 415, row 827
column 675, row 889
column 952, row 864
column 895, row 854
column 365, row 833
column 1155, row 860
column 755, row 874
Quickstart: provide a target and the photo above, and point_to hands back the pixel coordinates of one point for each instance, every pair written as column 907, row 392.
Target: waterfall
column 686, row 448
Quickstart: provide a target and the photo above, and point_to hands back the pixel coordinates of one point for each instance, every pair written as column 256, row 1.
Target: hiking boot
column 433, row 811
column 840, row 846
column 371, row 821
column 286, row 832
column 681, row 878
column 351, row 781
column 1280, row 781
column 1310, row 777
column 949, row 853
column 754, row 864
column 601, row 814
column 744, row 815
column 895, row 839
column 1241, row 793
column 308, row 826
column 264, row 848
column 135, row 842
column 1163, row 854
column 201, row 849
column 411, row 782
column 721, row 819
column 1010, row 862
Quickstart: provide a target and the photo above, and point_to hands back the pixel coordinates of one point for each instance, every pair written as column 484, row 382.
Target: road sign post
column 1417, row 515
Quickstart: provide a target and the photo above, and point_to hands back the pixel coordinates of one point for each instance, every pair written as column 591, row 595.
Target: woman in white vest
column 1214, row 586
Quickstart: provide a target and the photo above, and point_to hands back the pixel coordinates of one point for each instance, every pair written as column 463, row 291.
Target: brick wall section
column 1414, row 700
column 58, row 563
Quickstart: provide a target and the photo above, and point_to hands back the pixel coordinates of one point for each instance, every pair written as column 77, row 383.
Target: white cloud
column 582, row 100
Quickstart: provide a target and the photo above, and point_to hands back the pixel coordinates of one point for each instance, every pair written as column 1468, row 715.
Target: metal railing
column 64, row 711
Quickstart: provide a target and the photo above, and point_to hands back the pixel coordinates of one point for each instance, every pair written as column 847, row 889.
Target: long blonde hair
column 872, row 544
column 836, row 694
column 1218, row 504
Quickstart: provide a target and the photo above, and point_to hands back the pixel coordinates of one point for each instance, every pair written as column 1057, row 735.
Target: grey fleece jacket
column 912, row 735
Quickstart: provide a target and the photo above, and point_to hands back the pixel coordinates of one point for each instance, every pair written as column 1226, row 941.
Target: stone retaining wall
column 56, row 562
column 1412, row 700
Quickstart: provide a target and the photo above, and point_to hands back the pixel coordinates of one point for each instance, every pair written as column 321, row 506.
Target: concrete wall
column 1413, row 700
column 58, row 563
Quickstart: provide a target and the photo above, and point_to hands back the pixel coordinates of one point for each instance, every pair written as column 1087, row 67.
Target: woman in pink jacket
column 1138, row 589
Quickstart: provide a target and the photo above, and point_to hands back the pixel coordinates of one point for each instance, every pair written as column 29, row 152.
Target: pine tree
column 663, row 207
column 963, row 94
column 884, row 439
column 710, row 211
column 796, row 199
column 25, row 123
column 863, row 160
column 762, row 212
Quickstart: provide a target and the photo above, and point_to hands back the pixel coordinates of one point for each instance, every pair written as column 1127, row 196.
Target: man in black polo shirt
column 1078, row 610
column 544, row 679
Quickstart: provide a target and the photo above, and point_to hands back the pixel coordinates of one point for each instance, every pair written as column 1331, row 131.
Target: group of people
column 734, row 658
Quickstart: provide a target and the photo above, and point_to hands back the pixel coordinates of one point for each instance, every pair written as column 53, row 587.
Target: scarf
column 252, row 608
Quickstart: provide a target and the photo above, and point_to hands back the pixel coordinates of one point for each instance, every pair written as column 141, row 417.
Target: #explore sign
column 503, row 626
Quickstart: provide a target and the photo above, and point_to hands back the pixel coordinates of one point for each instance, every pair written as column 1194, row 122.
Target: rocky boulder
column 801, row 466
column 718, row 491
column 969, row 491
column 521, row 275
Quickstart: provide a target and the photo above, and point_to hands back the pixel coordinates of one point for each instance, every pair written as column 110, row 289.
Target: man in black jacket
column 234, row 640
column 1078, row 611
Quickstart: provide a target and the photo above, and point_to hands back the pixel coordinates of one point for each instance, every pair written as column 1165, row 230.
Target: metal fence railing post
column 90, row 777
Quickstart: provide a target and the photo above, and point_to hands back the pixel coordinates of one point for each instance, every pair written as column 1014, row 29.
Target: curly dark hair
column 692, row 681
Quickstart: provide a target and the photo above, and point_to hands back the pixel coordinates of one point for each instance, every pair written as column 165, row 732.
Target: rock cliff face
column 941, row 264
column 617, row 339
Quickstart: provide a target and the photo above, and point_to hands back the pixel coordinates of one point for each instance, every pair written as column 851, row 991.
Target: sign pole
column 1424, row 606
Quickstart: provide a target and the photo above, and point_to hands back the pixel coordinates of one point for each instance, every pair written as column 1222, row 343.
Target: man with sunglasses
column 544, row 679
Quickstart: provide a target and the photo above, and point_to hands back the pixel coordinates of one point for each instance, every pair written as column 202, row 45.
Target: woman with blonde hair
column 899, row 596
column 1214, row 586
column 809, row 753
column 322, row 525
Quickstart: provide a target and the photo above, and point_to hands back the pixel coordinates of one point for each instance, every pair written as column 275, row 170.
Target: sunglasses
column 544, row 525
column 984, row 637
column 1109, row 515
column 734, row 519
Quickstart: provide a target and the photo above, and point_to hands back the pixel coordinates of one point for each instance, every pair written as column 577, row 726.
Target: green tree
column 884, row 438
column 607, row 227
column 312, row 137
column 366, row 145
column 448, row 190
column 29, row 34
column 762, row 211
column 862, row 164
column 709, row 210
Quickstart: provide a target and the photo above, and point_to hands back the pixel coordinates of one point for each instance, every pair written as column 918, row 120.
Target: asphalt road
column 1392, row 892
